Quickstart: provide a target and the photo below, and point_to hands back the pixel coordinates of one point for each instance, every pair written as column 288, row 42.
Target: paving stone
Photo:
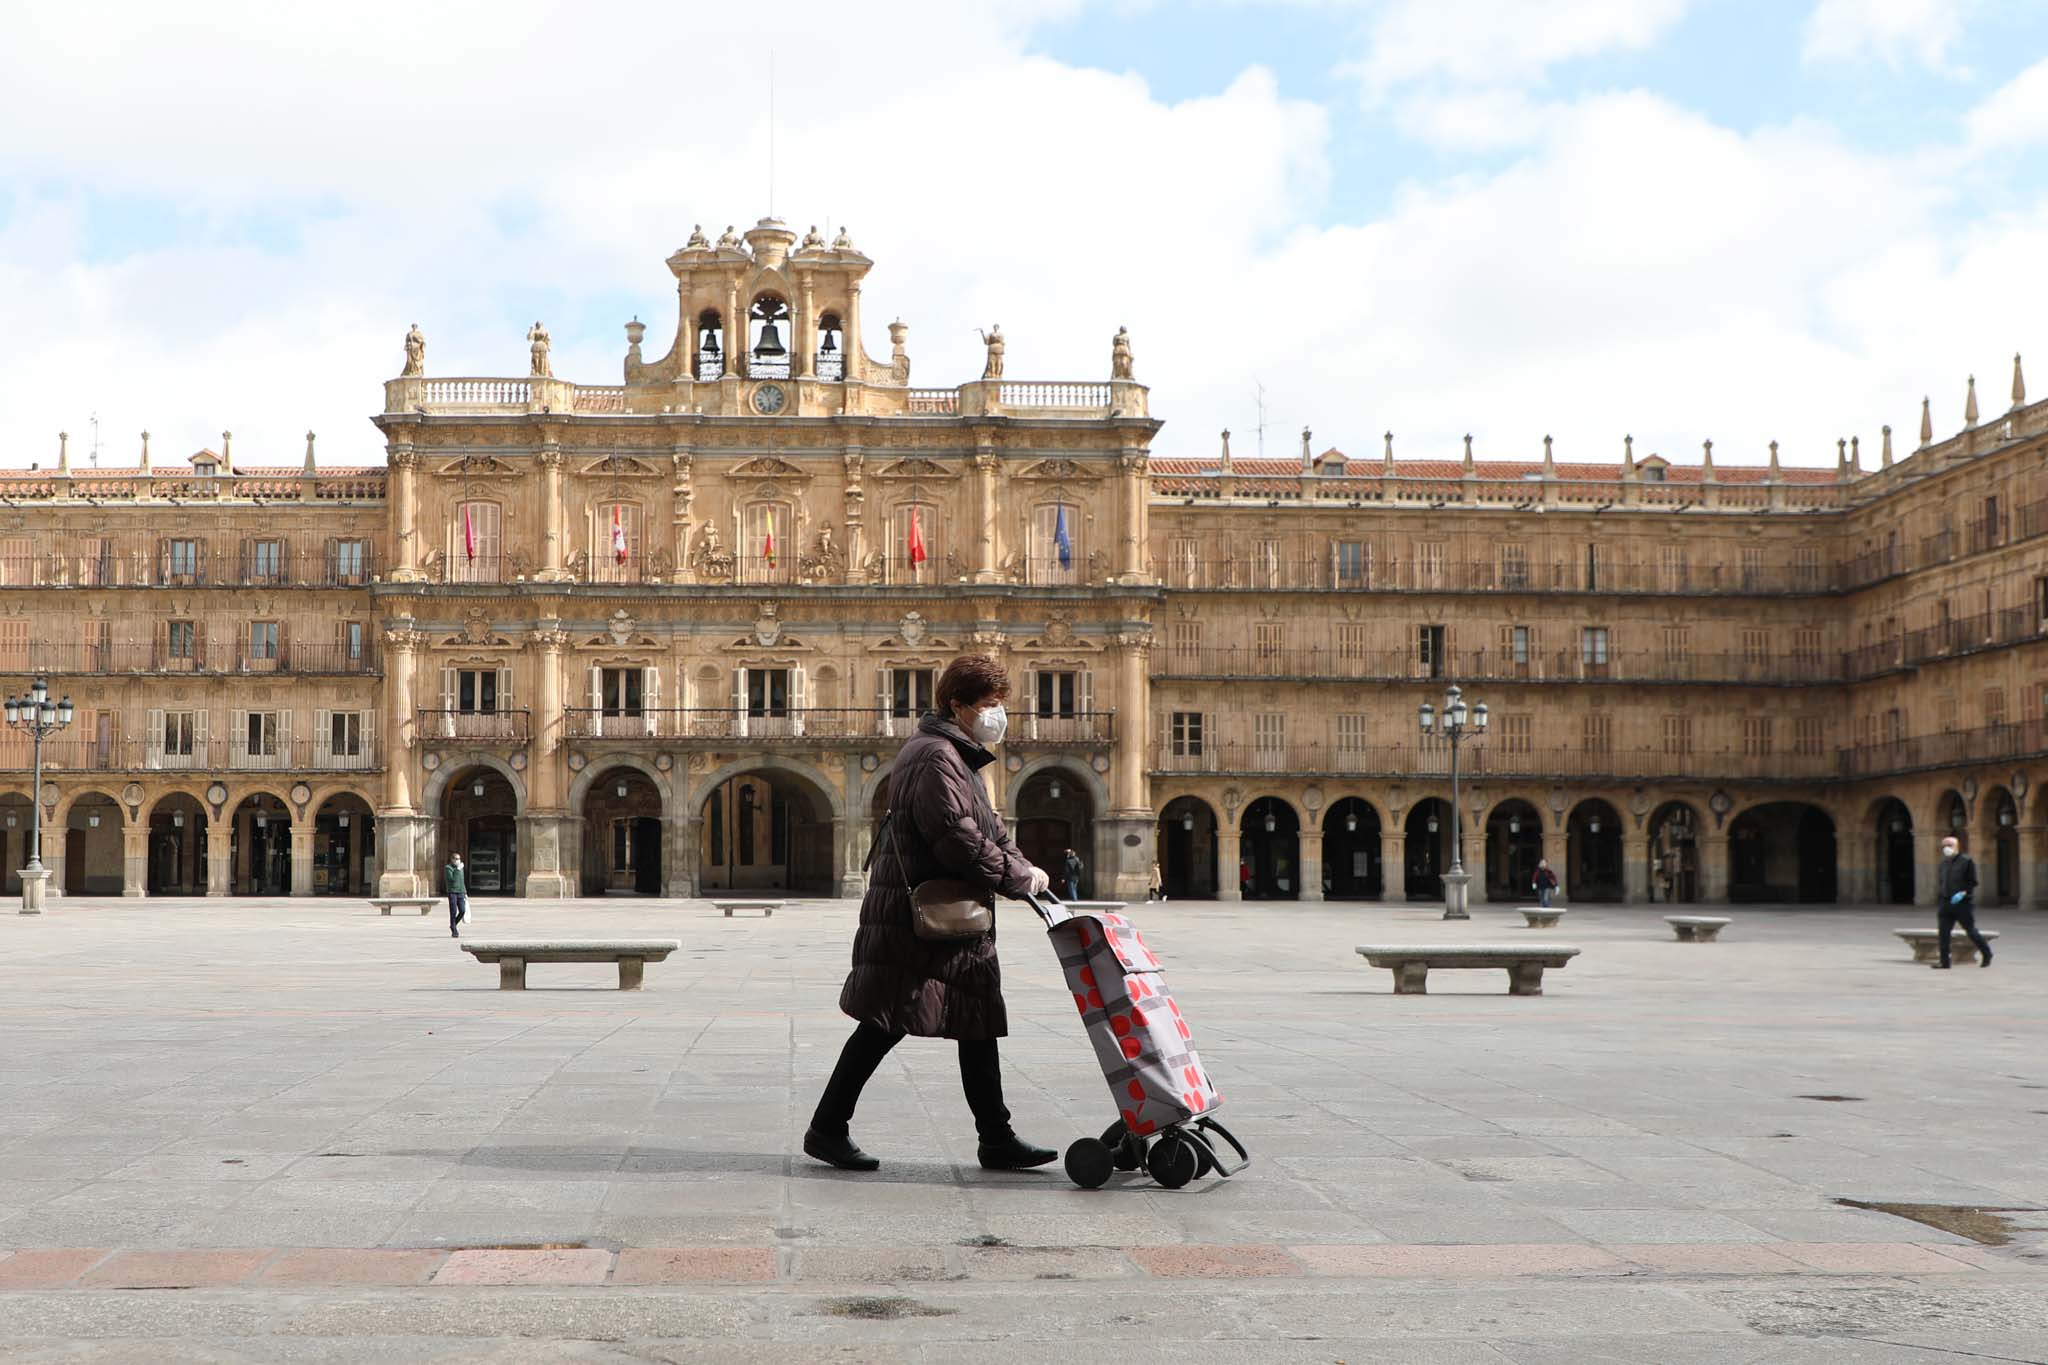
column 693, row 1265
column 1871, row 1258
column 334, row 1266
column 584, row 1266
column 50, row 1268
column 1505, row 1261
column 1213, row 1262
column 173, row 1269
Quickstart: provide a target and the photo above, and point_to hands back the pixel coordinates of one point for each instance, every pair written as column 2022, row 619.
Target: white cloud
column 2013, row 115
column 1896, row 32
column 1484, row 42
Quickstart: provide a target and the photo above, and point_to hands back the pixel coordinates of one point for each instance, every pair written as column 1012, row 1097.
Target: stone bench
column 767, row 908
column 1926, row 943
column 512, row 956
column 1411, row 962
column 1697, row 928
column 1542, row 916
column 426, row 904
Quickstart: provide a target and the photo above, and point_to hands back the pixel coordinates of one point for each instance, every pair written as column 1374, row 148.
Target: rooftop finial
column 1628, row 457
column 1775, row 474
column 1706, row 462
column 1841, row 454
column 1549, row 469
column 1926, row 422
column 2019, row 382
column 1970, row 405
column 227, row 446
column 1884, row 455
column 1390, row 453
column 309, row 452
column 1855, row 454
column 145, row 452
column 1468, row 452
column 63, row 451
column 1307, row 460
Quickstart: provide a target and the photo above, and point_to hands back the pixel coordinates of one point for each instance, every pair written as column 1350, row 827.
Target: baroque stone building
column 664, row 637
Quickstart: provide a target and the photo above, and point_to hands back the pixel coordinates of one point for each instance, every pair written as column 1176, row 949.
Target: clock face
column 769, row 398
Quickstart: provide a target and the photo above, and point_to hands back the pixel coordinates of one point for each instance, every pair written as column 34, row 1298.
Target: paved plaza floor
column 298, row 1130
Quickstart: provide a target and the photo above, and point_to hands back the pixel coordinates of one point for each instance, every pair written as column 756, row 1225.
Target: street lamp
column 40, row 718
column 1452, row 724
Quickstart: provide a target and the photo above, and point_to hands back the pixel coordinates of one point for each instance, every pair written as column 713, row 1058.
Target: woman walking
column 940, row 824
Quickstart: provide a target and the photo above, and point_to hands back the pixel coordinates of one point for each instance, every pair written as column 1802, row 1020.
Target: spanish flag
column 768, row 547
column 916, row 550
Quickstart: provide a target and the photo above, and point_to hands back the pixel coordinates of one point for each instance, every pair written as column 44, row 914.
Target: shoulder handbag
column 942, row 909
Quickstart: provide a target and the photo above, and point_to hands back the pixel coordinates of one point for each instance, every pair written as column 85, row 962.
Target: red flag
column 917, row 553
column 618, row 535
column 468, row 534
column 768, row 547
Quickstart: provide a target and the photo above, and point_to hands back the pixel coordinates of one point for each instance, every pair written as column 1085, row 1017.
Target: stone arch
column 89, row 859
column 1513, row 833
column 827, row 787
column 1674, row 869
column 581, row 783
column 1783, row 850
column 1593, row 869
column 1271, row 856
column 1098, row 788
column 1353, row 827
column 67, row 798
column 1188, row 847
column 176, row 845
column 1047, row 819
column 1426, row 851
column 1888, row 822
column 624, row 833
column 434, row 789
column 260, row 856
column 802, row 846
column 1998, row 843
column 1952, row 817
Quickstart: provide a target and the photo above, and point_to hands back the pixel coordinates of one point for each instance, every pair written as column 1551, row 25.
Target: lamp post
column 40, row 718
column 1452, row 724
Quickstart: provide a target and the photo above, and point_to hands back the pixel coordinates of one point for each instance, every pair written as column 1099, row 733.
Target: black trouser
column 981, row 1077
column 458, row 908
column 1965, row 915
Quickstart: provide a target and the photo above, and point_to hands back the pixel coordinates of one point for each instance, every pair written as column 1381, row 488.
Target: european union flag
column 1059, row 537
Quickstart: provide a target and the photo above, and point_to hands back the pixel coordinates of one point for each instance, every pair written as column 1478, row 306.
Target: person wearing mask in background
column 940, row 824
column 456, row 882
column 1545, row 883
column 1073, row 873
column 1955, row 884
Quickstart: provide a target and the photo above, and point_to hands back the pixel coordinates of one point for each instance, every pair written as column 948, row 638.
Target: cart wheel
column 1173, row 1161
column 1089, row 1163
column 1205, row 1161
column 1120, row 1146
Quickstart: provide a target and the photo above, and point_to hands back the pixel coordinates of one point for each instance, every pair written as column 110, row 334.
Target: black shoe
column 1941, row 966
column 1987, row 959
column 1013, row 1154
column 842, row 1152
column 455, row 933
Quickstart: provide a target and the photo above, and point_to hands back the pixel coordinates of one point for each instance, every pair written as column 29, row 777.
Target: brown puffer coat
column 945, row 827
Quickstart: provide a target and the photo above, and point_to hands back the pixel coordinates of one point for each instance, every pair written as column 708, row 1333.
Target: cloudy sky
column 1681, row 219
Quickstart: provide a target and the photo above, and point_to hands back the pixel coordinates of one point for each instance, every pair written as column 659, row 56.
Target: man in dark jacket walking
column 1073, row 875
column 1955, row 884
column 456, row 881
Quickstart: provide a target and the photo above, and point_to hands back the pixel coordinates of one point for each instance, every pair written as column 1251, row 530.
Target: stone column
column 1393, row 862
column 135, row 859
column 1927, row 862
column 404, row 495
column 53, row 857
column 2030, row 887
column 1128, row 771
column 735, row 331
column 551, row 832
column 551, row 556
column 302, row 858
column 356, row 879
column 1635, row 868
column 803, row 327
column 401, row 646
column 219, row 849
column 1557, row 851
column 1227, row 855
column 856, row 353
column 1713, row 869
column 1130, row 565
column 551, row 846
column 1310, row 846
column 987, row 552
column 846, row 858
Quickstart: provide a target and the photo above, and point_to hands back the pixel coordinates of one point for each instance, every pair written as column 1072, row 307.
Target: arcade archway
column 1428, row 843
column 765, row 830
column 344, row 846
column 1674, row 854
column 1514, row 845
column 177, row 846
column 1782, row 851
column 480, row 820
column 1055, row 812
column 1270, row 847
column 260, row 847
column 15, row 812
column 1351, row 852
column 2000, row 872
column 1892, row 863
column 1187, row 849
column 1593, row 853
column 622, row 835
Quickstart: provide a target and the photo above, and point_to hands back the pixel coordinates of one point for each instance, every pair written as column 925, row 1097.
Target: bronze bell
column 710, row 343
column 831, row 343
column 770, row 342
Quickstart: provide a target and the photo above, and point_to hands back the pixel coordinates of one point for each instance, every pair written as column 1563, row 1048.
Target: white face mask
column 991, row 724
column 1948, row 850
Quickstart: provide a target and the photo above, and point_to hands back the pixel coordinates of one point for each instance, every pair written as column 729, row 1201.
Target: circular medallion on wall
column 1313, row 798
column 216, row 794
column 869, row 762
column 770, row 399
column 301, row 794
column 1100, row 763
column 518, row 761
column 576, row 762
column 50, row 794
column 1132, row 841
column 132, row 793
column 430, row 761
column 1013, row 762
column 663, row 762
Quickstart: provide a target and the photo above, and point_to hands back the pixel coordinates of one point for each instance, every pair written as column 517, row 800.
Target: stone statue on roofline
column 812, row 241
column 697, row 238
column 993, row 339
column 1120, row 361
column 729, row 240
column 538, row 342
column 415, row 353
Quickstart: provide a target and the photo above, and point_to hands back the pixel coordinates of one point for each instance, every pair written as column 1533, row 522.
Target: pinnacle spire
column 1468, row 452
column 1707, row 462
column 1226, row 450
column 1885, row 455
column 1389, row 464
column 1970, row 405
column 2019, row 382
column 1775, row 474
column 1549, row 468
column 309, row 452
column 145, row 452
column 1926, row 422
column 63, row 451
column 1628, row 457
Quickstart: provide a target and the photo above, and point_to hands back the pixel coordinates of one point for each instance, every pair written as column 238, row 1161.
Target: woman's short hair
column 970, row 680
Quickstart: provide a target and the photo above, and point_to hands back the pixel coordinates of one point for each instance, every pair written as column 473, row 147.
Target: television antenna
column 1259, row 396
column 95, row 455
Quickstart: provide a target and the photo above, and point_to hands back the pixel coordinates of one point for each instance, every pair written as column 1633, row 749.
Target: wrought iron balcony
column 498, row 728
